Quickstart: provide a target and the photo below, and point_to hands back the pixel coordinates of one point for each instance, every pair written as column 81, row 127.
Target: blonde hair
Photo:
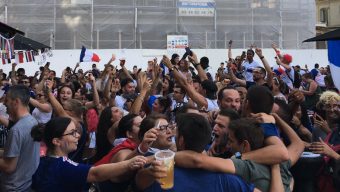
column 329, row 96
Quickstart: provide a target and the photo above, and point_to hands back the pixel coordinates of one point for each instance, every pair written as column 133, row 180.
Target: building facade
column 328, row 18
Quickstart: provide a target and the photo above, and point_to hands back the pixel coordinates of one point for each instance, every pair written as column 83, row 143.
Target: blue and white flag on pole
column 334, row 61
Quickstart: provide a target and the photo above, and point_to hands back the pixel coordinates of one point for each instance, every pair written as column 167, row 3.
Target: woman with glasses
column 158, row 133
column 58, row 173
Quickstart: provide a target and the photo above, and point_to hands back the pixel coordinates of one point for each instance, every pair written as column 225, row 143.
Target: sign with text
column 203, row 8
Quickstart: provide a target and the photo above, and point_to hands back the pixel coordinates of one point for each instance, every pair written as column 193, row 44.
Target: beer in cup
column 167, row 157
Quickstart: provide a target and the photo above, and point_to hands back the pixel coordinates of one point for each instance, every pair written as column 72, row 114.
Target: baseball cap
column 288, row 58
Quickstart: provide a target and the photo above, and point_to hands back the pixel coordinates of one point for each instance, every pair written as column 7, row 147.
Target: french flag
column 88, row 56
column 334, row 61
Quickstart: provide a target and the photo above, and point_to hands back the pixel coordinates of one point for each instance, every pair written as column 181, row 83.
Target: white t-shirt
column 120, row 101
column 320, row 80
column 212, row 104
column 41, row 117
column 247, row 69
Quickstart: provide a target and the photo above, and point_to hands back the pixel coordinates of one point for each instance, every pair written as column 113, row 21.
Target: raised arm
column 236, row 80
column 266, row 66
column 194, row 95
column 125, row 71
column 229, row 50
column 43, row 107
column 75, row 68
column 137, row 104
column 14, row 75
column 58, row 108
column 201, row 73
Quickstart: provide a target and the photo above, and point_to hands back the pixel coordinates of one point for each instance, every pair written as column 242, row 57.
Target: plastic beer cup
column 167, row 157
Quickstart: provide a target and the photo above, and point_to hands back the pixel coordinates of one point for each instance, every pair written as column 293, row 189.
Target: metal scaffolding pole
column 92, row 24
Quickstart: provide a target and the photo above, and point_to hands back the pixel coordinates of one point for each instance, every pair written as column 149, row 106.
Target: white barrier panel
column 63, row 58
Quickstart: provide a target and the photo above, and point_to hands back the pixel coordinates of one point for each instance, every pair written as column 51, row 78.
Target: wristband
column 140, row 151
column 262, row 57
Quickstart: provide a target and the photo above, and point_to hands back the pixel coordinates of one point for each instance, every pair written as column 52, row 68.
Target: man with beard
column 128, row 92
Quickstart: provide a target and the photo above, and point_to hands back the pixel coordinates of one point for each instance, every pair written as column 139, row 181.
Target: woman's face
column 165, row 85
column 164, row 138
column 156, row 107
column 332, row 109
column 65, row 94
column 116, row 114
column 69, row 140
column 78, row 95
column 133, row 134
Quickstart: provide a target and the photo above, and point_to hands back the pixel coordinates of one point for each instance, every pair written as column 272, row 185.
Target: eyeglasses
column 74, row 133
column 164, row 128
column 276, row 81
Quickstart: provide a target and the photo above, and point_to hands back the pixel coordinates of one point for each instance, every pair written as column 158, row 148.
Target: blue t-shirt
column 198, row 180
column 60, row 174
column 269, row 129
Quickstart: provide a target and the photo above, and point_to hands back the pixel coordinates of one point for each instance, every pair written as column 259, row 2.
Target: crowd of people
column 250, row 127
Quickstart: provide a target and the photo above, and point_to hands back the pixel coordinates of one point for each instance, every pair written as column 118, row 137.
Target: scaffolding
column 145, row 24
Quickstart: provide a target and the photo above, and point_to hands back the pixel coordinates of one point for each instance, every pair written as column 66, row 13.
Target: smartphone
column 188, row 51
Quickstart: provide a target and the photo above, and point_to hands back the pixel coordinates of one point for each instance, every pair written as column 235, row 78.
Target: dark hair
column 102, row 143
column 165, row 102
column 284, row 110
column 316, row 65
column 308, row 75
column 220, row 94
column 210, row 89
column 204, row 61
column 62, row 87
column 148, row 123
column 232, row 114
column 184, row 108
column 195, row 129
column 181, row 88
column 125, row 82
column 248, row 129
column 171, row 85
column 54, row 128
column 252, row 51
column 260, row 99
column 20, row 92
column 263, row 70
column 125, row 124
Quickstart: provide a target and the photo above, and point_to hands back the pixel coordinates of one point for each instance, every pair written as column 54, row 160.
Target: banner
column 203, row 8
column 177, row 42
column 334, row 61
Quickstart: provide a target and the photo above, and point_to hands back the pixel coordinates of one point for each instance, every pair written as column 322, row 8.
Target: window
column 323, row 15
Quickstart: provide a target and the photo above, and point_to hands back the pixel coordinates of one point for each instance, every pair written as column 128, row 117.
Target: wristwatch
column 238, row 155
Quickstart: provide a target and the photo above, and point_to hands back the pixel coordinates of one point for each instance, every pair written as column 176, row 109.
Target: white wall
column 63, row 58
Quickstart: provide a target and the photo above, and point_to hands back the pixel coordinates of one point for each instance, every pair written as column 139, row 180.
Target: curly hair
column 329, row 96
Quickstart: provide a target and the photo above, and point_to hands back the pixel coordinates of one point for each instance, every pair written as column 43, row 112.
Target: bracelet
column 140, row 151
column 196, row 64
column 262, row 57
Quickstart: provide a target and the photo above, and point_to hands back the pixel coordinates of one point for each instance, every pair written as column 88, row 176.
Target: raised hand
column 258, row 52
column 149, row 137
column 167, row 62
column 193, row 58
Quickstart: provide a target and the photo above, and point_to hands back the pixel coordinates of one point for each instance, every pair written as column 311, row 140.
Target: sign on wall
column 203, row 8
